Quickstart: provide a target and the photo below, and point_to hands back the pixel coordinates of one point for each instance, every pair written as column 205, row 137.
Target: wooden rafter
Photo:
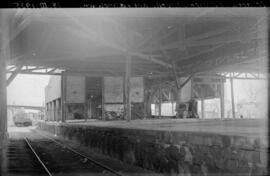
column 90, row 34
column 157, row 39
column 21, row 26
column 14, row 74
column 36, row 70
column 198, row 39
column 179, row 58
column 148, row 39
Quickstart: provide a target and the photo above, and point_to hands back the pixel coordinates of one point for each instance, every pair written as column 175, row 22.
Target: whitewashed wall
column 53, row 89
column 113, row 89
column 75, row 89
column 136, row 89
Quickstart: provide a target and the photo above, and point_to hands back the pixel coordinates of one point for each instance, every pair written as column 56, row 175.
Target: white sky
column 27, row 90
column 247, row 90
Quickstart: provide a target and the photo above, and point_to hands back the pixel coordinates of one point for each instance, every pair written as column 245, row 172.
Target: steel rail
column 40, row 161
column 84, row 156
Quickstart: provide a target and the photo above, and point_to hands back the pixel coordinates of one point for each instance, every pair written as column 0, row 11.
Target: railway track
column 43, row 155
column 20, row 160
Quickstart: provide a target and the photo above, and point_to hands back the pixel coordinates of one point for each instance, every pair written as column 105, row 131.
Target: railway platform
column 209, row 146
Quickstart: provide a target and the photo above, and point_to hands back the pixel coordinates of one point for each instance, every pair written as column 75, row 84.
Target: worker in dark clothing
column 173, row 156
column 192, row 109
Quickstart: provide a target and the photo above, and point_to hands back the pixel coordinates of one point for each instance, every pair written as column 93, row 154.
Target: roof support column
column 4, row 55
column 127, row 102
column 178, row 102
column 63, row 96
column 221, row 99
column 202, row 108
column 53, row 110
column 3, row 99
column 232, row 97
column 159, row 101
column 171, row 99
column 85, row 101
column 147, row 100
column 103, row 117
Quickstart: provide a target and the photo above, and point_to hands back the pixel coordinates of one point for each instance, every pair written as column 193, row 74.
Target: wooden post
column 221, row 99
column 127, row 103
column 58, row 108
column 51, row 110
column 63, row 96
column 202, row 108
column 171, row 99
column 89, row 105
column 159, row 102
column 103, row 100
column 232, row 97
column 4, row 55
column 3, row 99
column 146, row 100
column 54, row 110
column 46, row 111
column 178, row 101
column 85, row 100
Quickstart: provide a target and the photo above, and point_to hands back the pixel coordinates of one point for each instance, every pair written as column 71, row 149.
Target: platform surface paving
column 238, row 127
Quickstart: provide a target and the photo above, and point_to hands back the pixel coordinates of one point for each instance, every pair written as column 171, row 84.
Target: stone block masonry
column 186, row 153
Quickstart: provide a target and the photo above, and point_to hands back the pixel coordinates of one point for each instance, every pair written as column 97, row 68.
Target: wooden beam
column 103, row 115
column 214, row 41
column 123, row 26
column 35, row 73
column 165, row 95
column 52, row 70
column 11, row 68
column 223, row 39
column 212, row 33
column 127, row 102
column 191, row 41
column 151, row 59
column 210, row 63
column 185, row 82
column 14, row 74
column 93, row 36
column 180, row 58
column 175, row 77
column 147, row 39
column 158, row 39
column 232, row 97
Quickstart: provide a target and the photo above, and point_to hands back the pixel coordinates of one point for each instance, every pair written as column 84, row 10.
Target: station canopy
column 158, row 40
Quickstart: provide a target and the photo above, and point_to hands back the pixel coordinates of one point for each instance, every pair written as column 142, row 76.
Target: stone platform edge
column 213, row 152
